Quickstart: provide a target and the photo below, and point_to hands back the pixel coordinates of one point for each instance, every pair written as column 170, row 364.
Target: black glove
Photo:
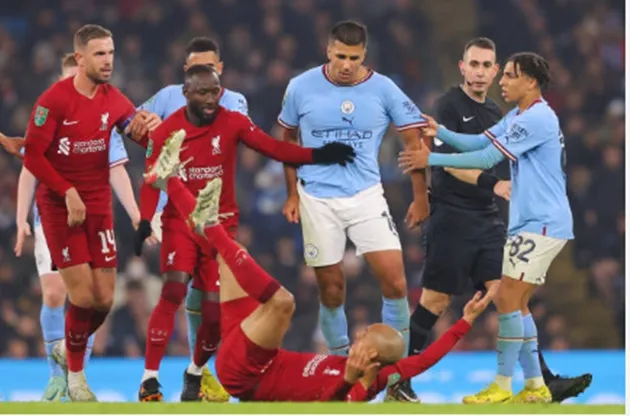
column 333, row 153
column 143, row 232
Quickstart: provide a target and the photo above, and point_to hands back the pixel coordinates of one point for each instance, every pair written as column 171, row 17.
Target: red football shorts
column 241, row 364
column 92, row 242
column 184, row 251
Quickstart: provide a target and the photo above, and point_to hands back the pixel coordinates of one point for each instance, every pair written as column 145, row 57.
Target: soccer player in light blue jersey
column 540, row 221
column 53, row 289
column 200, row 51
column 345, row 101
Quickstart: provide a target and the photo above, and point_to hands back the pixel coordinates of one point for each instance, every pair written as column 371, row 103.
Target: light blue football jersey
column 534, row 144
column 117, row 156
column 357, row 115
column 171, row 98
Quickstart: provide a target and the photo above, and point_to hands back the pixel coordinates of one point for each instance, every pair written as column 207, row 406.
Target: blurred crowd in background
column 266, row 42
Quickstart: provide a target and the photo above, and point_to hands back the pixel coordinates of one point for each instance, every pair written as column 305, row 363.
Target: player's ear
column 219, row 68
column 461, row 67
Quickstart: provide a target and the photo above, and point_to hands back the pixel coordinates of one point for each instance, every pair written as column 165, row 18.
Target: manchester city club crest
column 347, row 107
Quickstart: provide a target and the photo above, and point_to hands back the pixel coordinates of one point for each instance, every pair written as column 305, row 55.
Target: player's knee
column 283, row 302
column 434, row 302
column 395, row 287
column 173, row 292
column 81, row 298
column 54, row 292
column 507, row 300
column 103, row 301
column 332, row 296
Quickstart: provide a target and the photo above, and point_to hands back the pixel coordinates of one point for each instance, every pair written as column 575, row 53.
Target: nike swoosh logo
column 110, row 258
column 467, row 119
column 69, row 123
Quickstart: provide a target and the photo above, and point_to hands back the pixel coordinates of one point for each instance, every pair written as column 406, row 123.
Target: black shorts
column 462, row 247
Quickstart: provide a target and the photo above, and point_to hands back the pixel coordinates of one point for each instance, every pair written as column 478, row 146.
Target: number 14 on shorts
column 108, row 241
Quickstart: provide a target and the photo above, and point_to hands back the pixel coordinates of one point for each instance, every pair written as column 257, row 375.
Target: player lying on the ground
column 211, row 135
column 540, row 216
column 257, row 310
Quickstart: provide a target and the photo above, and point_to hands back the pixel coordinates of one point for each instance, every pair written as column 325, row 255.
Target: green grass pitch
column 300, row 408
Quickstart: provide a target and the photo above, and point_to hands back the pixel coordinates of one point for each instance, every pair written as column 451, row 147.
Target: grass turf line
column 301, row 408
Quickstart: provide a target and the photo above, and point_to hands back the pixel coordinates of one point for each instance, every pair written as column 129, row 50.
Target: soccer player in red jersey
column 212, row 134
column 256, row 313
column 66, row 149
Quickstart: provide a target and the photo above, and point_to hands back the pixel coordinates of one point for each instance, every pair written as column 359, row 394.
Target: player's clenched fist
column 361, row 359
column 75, row 207
column 291, row 209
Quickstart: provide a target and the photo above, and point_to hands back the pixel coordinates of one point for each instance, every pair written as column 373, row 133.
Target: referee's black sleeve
column 446, row 114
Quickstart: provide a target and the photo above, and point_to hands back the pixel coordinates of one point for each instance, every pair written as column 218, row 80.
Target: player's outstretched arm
column 25, row 192
column 13, row 145
column 417, row 364
column 331, row 153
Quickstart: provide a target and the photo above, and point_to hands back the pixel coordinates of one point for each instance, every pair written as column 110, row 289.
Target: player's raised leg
column 267, row 325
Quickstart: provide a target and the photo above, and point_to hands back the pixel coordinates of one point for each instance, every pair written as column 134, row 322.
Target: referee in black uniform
column 465, row 234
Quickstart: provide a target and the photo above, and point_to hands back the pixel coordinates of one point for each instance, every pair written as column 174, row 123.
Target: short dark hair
column 349, row 32
column 202, row 44
column 481, row 42
column 534, row 65
column 199, row 69
column 68, row 61
column 89, row 32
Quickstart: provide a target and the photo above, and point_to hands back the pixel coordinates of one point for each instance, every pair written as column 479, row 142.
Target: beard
column 96, row 78
column 203, row 117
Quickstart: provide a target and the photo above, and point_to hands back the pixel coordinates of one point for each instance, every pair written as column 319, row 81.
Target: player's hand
column 75, row 207
column 13, row 145
column 152, row 121
column 291, row 209
column 361, row 360
column 23, row 231
column 478, row 304
column 431, row 129
column 333, row 153
column 142, row 233
column 503, row 189
column 152, row 240
column 410, row 160
column 418, row 211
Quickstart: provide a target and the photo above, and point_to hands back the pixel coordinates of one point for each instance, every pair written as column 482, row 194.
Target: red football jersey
column 212, row 152
column 72, row 133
